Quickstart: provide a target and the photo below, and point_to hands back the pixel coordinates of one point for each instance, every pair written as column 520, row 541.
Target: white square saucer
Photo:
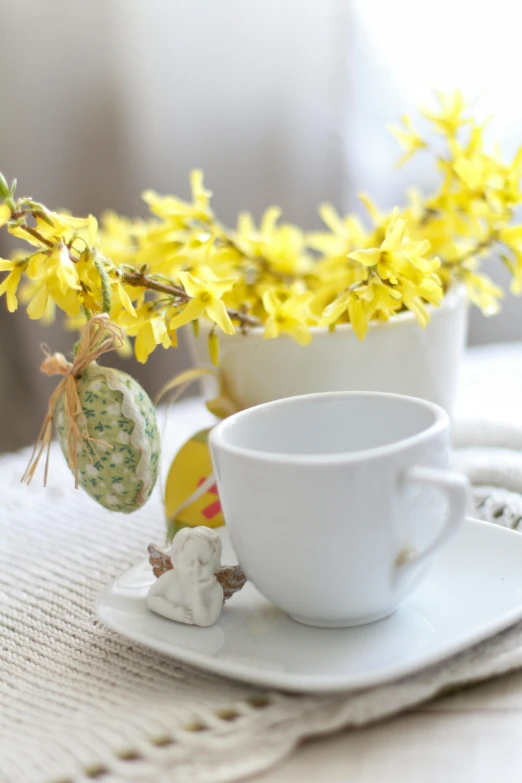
column 473, row 590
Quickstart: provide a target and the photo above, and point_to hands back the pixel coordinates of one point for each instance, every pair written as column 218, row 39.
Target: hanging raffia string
column 221, row 406
column 98, row 336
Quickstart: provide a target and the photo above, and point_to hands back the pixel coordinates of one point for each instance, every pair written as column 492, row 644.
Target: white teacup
column 337, row 502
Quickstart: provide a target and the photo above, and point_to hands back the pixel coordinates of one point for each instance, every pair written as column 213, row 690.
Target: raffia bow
column 98, row 336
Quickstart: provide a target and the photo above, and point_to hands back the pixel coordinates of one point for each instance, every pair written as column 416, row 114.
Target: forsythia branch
column 141, row 280
column 182, row 265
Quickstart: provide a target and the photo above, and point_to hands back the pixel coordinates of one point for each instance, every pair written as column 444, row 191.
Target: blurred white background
column 279, row 101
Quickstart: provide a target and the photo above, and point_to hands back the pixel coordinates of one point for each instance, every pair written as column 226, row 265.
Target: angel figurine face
column 195, row 554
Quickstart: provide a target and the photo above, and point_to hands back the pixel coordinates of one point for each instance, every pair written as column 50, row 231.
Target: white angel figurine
column 189, row 592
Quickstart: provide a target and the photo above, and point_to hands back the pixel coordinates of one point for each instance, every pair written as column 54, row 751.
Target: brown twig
column 32, row 231
column 243, row 318
column 484, row 245
column 139, row 278
column 259, row 261
column 142, row 280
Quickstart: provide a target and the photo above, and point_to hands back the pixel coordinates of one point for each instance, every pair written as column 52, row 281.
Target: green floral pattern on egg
column 119, row 472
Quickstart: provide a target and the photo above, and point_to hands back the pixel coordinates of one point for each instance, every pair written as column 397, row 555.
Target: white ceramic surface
column 473, row 591
column 397, row 357
column 336, row 502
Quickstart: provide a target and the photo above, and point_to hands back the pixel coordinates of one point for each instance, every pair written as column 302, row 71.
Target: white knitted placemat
column 78, row 703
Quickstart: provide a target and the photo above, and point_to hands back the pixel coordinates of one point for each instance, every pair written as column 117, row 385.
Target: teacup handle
column 456, row 488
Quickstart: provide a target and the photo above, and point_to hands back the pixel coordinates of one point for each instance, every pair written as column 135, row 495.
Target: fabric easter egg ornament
column 119, row 472
column 190, row 471
column 106, row 424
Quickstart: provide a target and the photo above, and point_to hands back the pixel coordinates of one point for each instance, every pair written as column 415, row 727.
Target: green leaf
column 42, row 212
column 4, row 187
column 508, row 262
column 105, row 284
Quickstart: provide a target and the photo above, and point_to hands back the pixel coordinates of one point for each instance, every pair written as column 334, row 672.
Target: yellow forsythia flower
column 288, row 316
column 5, row 214
column 181, row 264
column 9, row 284
column 407, row 138
column 449, row 120
column 205, row 291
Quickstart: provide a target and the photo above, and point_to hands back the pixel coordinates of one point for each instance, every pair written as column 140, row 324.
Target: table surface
column 473, row 736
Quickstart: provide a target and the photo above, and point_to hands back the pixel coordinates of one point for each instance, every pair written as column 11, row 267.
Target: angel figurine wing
column 231, row 578
column 159, row 560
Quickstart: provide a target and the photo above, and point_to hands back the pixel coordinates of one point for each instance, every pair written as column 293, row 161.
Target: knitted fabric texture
column 79, row 703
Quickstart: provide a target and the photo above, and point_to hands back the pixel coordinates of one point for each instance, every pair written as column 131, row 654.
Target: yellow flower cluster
column 182, row 265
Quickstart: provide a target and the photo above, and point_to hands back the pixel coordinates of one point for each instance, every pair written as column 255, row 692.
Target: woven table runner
column 79, row 703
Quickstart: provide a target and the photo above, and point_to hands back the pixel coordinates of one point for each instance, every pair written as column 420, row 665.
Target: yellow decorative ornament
column 190, row 495
column 190, row 471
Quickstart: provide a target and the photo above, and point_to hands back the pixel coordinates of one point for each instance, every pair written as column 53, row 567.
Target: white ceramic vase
column 397, row 356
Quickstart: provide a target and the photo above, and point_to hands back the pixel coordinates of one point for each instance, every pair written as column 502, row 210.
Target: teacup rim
column 440, row 423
